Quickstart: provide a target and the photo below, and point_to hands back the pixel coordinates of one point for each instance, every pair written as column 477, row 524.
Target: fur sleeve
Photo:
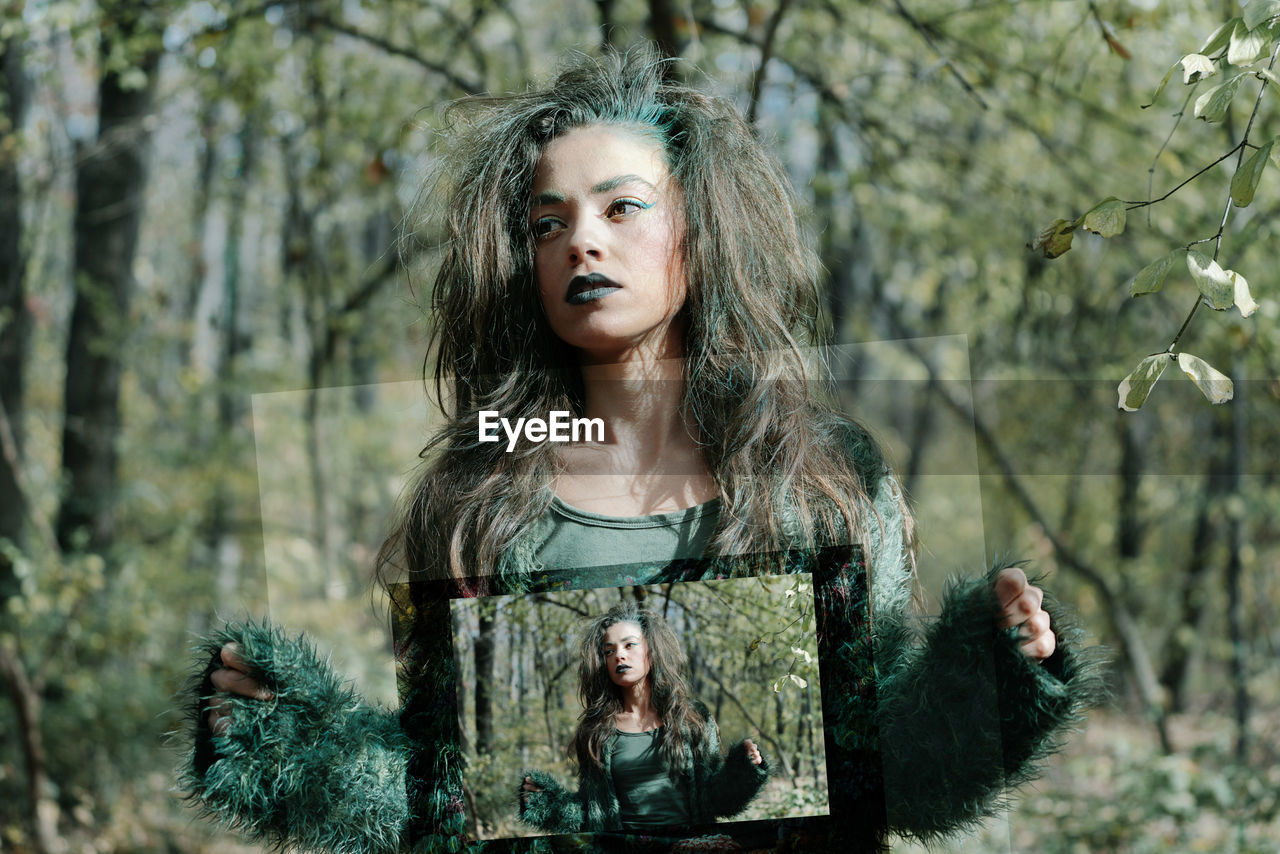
column 555, row 808
column 736, row 782
column 962, row 713
column 313, row 768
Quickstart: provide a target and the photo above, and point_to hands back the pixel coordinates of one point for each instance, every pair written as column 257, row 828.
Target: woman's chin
column 606, row 343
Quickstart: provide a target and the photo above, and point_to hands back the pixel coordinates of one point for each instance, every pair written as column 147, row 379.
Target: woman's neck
column 650, row 460
column 641, row 403
column 638, row 711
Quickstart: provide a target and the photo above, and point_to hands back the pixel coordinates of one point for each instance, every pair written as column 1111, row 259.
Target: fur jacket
column 928, row 725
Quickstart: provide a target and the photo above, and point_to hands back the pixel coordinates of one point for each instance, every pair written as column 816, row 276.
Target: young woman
column 621, row 247
column 648, row 755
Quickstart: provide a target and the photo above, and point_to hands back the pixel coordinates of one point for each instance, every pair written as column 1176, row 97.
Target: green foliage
column 1213, row 281
column 1137, row 385
column 1212, row 105
column 1260, row 12
column 1151, row 277
column 1245, row 182
column 1106, row 218
column 1056, row 239
column 1196, row 67
column 1123, row 795
column 1246, row 41
column 1215, row 385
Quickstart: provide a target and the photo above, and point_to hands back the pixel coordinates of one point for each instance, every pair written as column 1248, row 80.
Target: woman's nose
column 585, row 242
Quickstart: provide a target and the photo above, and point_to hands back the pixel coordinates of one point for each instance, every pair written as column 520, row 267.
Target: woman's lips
column 588, row 288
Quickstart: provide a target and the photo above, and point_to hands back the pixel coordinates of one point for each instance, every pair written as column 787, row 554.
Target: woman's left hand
column 1020, row 606
column 527, row 788
column 753, row 752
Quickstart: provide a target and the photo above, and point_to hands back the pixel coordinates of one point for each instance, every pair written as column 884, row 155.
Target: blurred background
column 211, row 351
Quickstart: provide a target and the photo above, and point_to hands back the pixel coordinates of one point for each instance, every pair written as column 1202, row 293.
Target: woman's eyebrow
column 546, row 197
column 554, row 197
column 615, row 183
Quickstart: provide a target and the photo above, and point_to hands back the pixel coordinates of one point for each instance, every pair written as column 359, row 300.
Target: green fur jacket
column 928, row 725
column 719, row 787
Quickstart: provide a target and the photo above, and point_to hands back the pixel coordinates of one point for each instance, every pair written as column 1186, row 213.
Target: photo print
column 757, row 636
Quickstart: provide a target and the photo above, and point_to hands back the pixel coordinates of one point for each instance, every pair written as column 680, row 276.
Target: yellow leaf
column 1054, row 240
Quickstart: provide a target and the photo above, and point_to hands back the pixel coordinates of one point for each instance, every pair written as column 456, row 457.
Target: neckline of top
column 669, row 517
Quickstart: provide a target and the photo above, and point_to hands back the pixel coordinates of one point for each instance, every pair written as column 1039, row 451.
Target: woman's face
column 626, row 654
column 608, row 226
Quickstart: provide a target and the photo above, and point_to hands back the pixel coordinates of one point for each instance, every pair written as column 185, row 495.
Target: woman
column 648, row 755
column 622, row 248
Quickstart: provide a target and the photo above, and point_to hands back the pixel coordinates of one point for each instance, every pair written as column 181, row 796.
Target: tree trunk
column 833, row 246
column 15, row 320
column 110, row 179
column 222, row 543
column 521, row 676
column 1181, row 645
column 461, row 627
column 187, row 306
column 1129, row 535
column 607, row 34
column 1235, row 545
column 484, row 677
column 662, row 25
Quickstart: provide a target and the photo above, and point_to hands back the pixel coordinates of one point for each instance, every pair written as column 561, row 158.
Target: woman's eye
column 544, row 226
column 622, row 207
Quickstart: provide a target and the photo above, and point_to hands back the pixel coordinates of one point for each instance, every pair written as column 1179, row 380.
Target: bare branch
column 751, row 720
column 466, row 86
column 946, row 60
column 542, row 598
column 1226, row 210
column 766, row 53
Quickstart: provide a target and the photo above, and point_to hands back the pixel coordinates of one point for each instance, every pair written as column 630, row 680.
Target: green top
column 581, row 538
column 647, row 796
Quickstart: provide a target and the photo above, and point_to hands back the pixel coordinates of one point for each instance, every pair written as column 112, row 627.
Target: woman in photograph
column 620, row 246
column 648, row 754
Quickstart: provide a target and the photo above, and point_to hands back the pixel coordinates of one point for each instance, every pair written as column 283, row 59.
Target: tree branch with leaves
column 1243, row 43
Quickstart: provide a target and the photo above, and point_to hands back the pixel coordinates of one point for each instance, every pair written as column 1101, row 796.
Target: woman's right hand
column 232, row 678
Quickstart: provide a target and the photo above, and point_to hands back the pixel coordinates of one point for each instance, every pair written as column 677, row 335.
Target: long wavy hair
column 683, row 727
column 776, row 450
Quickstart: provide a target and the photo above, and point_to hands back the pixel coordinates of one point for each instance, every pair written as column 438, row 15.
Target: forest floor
column 1113, row 790
column 1110, row 790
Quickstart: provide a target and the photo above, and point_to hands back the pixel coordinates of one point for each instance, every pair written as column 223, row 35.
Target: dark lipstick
column 592, row 286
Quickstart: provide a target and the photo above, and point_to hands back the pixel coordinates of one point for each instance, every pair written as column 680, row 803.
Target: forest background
column 211, row 350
